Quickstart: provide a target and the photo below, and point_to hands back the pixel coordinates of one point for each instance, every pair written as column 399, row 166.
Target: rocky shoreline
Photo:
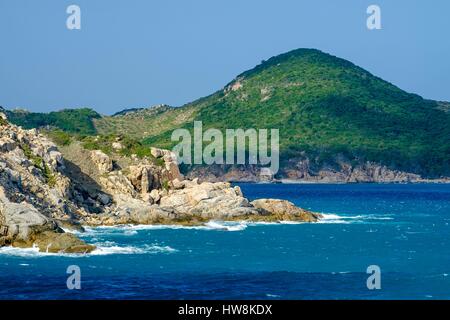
column 301, row 171
column 44, row 191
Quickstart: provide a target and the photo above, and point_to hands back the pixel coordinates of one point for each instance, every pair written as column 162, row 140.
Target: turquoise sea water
column 404, row 229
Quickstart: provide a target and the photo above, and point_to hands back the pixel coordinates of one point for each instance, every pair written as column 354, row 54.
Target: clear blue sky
column 138, row 53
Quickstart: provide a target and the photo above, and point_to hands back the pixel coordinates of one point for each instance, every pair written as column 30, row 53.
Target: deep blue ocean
column 404, row 229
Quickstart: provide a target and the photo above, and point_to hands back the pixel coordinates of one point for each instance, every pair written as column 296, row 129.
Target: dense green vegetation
column 75, row 121
column 59, row 136
column 324, row 107
column 128, row 146
column 140, row 123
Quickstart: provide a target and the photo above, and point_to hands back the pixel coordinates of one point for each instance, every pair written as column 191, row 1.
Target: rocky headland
column 305, row 171
column 45, row 191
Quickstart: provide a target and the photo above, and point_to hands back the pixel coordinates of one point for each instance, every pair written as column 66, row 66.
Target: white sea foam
column 103, row 248
column 334, row 218
column 217, row 225
column 292, row 222
column 108, row 248
column 213, row 225
column 343, row 219
column 226, row 226
column 29, row 253
column 133, row 229
column 95, row 234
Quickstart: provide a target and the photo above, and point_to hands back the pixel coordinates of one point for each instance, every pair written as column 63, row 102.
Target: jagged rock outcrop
column 139, row 178
column 64, row 242
column 146, row 193
column 208, row 200
column 102, row 161
column 344, row 171
column 143, row 179
column 33, row 191
column 21, row 221
column 170, row 163
column 285, row 210
column 41, row 193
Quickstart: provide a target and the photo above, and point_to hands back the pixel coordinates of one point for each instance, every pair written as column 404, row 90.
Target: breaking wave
column 232, row 226
column 213, row 225
column 133, row 229
column 342, row 219
column 103, row 248
column 107, row 248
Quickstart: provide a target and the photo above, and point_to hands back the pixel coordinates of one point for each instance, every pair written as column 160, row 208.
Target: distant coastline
column 289, row 181
column 292, row 181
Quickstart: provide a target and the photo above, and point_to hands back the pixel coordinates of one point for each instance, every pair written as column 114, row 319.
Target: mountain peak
column 301, row 55
column 326, row 109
